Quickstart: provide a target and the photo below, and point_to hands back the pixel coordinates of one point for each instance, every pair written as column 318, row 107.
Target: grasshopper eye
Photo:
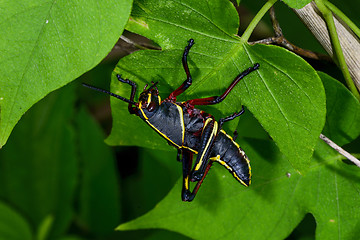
column 151, row 106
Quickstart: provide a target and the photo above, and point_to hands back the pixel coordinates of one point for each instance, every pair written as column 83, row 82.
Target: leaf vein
column 205, row 17
column 28, row 63
column 187, row 28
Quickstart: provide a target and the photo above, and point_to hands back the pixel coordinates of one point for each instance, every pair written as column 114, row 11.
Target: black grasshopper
column 191, row 130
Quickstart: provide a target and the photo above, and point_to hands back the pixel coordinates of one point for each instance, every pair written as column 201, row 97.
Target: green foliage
column 45, row 45
column 99, row 186
column 59, row 180
column 279, row 197
column 296, row 3
column 276, row 202
column 271, row 94
column 12, row 225
column 339, row 117
column 35, row 162
column 40, row 180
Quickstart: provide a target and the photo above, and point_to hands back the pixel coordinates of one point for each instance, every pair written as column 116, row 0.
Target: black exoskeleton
column 191, row 130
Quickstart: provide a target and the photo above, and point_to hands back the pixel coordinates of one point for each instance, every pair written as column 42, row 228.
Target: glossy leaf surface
column 46, row 44
column 278, row 198
column 296, row 3
column 285, row 94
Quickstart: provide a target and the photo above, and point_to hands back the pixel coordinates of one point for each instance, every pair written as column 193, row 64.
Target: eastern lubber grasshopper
column 191, row 130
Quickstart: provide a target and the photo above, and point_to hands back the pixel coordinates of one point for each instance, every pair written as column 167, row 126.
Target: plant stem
column 250, row 28
column 280, row 40
column 340, row 150
column 337, row 51
column 343, row 17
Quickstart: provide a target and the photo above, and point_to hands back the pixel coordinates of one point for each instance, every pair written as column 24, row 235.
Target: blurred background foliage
column 59, row 180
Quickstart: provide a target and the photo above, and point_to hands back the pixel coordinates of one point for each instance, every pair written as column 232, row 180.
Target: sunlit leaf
column 296, row 3
column 279, row 196
column 285, row 94
column 269, row 209
column 218, row 205
column 46, row 44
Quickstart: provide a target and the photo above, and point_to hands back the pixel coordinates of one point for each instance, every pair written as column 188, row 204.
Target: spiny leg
column 187, row 83
column 198, row 184
column 132, row 110
column 186, row 159
column 186, row 194
column 231, row 117
column 235, row 135
column 218, row 99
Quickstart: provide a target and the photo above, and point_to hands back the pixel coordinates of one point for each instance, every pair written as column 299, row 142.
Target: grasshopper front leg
column 186, row 194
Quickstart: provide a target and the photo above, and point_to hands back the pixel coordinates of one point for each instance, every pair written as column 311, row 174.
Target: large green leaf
column 285, row 95
column 272, row 207
column 157, row 173
column 278, row 198
column 99, row 204
column 46, row 44
column 12, row 225
column 338, row 116
column 38, row 167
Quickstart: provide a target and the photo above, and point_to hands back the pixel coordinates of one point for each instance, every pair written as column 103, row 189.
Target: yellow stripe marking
column 206, row 123
column 233, row 172
column 146, row 118
column 163, row 135
column 186, row 183
column 194, row 151
column 149, row 99
column 182, row 123
column 227, row 135
column 241, row 152
column 214, row 131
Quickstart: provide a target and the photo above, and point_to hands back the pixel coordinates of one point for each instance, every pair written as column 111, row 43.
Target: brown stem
column 280, row 40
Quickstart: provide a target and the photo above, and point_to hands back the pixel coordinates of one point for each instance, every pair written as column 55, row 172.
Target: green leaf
column 342, row 123
column 277, row 200
column 38, row 167
column 45, row 228
column 269, row 209
column 71, row 238
column 296, row 3
column 157, row 173
column 12, row 225
column 46, row 44
column 99, row 204
column 285, row 95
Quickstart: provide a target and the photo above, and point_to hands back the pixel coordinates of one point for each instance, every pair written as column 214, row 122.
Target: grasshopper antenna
column 107, row 92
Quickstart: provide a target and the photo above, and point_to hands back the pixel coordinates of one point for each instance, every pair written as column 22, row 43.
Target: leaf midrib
column 227, row 58
column 21, row 79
